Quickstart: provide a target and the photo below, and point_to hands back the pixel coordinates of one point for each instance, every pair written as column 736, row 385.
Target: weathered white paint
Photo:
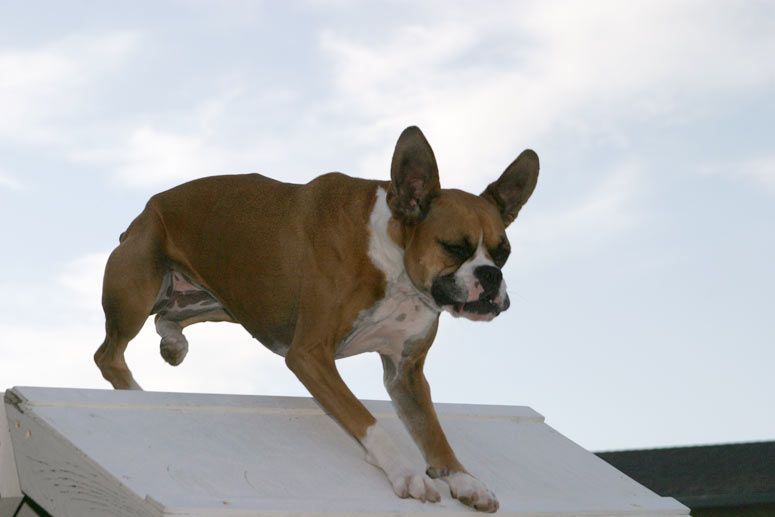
column 8, row 506
column 82, row 453
column 10, row 493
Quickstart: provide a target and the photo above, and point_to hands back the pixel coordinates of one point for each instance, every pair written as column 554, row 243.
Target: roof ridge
column 695, row 446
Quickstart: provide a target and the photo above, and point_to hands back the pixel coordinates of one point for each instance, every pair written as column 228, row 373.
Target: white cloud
column 46, row 352
column 35, row 355
column 66, row 295
column 548, row 65
column 50, row 329
column 554, row 64
column 154, row 157
column 610, row 47
column 760, row 170
column 205, row 139
column 41, row 86
column 222, row 358
column 82, row 279
column 598, row 214
column 9, row 182
column 610, row 204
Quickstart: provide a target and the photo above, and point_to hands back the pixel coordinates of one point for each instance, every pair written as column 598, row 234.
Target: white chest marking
column 400, row 316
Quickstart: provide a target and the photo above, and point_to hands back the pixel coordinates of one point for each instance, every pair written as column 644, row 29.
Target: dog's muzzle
column 487, row 301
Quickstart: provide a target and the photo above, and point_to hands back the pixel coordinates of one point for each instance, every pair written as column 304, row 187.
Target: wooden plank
column 150, row 401
column 10, row 492
column 95, row 452
column 59, row 477
column 8, row 506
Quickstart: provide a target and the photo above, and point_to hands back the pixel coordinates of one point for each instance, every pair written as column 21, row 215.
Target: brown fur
column 473, row 217
column 246, row 238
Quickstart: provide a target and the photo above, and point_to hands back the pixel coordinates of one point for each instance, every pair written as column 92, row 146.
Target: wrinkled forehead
column 457, row 215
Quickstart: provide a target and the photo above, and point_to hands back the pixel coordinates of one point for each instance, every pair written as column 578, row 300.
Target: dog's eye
column 500, row 255
column 461, row 252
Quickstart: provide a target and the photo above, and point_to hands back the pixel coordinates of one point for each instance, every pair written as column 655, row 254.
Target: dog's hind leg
column 133, row 275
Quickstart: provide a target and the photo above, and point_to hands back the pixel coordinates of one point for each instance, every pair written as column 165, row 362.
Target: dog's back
column 247, row 240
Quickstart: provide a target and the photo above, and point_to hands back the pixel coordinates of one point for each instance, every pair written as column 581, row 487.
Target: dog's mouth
column 446, row 295
column 479, row 310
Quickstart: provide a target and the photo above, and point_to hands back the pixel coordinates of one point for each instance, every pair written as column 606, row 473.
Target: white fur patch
column 408, row 480
column 470, row 490
column 383, row 251
column 402, row 315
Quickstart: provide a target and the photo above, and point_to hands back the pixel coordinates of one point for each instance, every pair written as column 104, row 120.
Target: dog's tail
column 125, row 233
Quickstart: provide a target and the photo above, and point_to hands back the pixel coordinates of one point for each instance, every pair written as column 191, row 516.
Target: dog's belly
column 399, row 318
column 181, row 299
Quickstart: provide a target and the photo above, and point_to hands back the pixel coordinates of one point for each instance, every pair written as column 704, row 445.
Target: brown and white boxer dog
column 316, row 272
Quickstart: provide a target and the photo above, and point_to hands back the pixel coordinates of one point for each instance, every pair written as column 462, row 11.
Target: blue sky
column 642, row 268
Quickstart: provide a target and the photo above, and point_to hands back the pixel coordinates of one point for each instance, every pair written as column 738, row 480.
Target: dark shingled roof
column 704, row 476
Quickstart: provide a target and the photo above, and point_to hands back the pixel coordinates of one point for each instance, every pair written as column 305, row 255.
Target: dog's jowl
column 315, row 272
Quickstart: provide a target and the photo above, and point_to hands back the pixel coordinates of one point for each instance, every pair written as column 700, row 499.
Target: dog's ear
column 414, row 177
column 514, row 187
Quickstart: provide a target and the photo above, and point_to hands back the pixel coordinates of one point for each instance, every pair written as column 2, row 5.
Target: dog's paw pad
column 471, row 492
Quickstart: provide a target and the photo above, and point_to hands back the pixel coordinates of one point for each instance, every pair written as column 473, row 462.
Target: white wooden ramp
column 82, row 453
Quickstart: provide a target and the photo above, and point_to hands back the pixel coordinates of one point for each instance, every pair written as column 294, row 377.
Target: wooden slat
column 10, row 493
column 94, row 452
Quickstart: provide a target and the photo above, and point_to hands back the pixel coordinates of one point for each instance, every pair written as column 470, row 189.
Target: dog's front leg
column 316, row 369
column 411, row 396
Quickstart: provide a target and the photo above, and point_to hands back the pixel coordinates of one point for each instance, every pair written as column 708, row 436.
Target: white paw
column 472, row 492
column 416, row 485
column 406, row 479
column 173, row 349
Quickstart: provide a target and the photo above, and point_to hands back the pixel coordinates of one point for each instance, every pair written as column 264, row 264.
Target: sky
column 642, row 269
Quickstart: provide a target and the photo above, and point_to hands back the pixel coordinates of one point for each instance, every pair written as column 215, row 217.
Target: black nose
column 490, row 277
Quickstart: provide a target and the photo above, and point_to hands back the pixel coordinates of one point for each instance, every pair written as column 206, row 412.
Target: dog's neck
column 386, row 253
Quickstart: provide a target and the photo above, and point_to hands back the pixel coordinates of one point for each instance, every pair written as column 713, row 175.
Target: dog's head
column 455, row 243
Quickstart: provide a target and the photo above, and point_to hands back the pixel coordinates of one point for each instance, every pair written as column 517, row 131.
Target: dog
column 329, row 269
